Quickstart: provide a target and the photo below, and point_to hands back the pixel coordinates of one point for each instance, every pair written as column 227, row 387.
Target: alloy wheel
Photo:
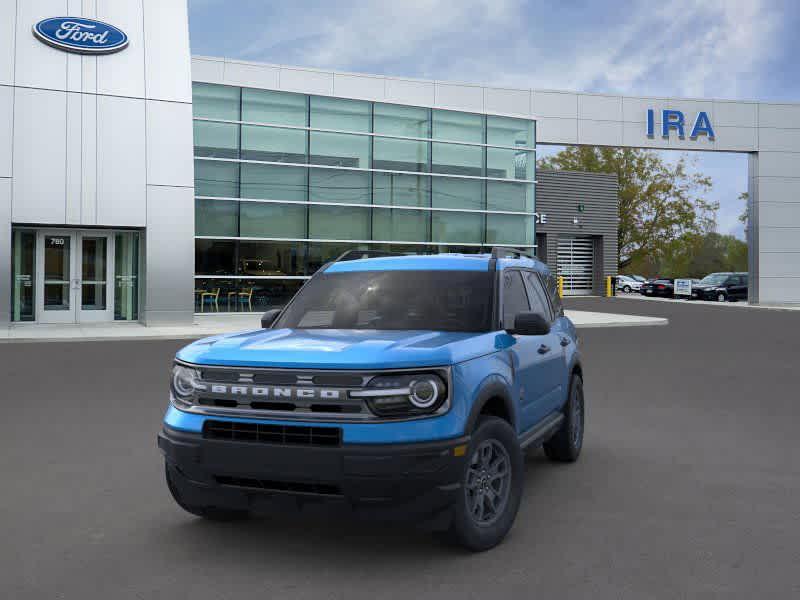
column 488, row 484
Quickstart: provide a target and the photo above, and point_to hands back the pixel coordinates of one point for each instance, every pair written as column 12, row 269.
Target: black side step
column 540, row 433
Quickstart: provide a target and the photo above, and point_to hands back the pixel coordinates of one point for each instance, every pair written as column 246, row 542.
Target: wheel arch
column 494, row 398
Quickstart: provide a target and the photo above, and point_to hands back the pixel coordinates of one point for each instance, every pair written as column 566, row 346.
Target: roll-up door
column 576, row 264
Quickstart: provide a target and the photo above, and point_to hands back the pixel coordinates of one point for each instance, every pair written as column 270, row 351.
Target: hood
column 338, row 348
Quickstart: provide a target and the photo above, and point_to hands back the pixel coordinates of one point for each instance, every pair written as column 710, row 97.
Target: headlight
column 405, row 394
column 184, row 382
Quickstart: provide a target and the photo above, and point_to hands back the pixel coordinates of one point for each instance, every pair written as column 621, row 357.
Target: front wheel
column 566, row 444
column 721, row 297
column 627, row 289
column 491, row 486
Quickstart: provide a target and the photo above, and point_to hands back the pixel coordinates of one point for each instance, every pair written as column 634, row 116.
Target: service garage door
column 576, row 264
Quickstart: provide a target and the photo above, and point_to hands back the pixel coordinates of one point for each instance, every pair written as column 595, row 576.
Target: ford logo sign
column 84, row 36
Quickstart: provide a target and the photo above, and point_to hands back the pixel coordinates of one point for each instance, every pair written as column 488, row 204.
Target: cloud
column 681, row 48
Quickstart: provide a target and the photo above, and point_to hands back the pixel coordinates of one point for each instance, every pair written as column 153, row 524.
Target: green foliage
column 661, row 204
column 694, row 255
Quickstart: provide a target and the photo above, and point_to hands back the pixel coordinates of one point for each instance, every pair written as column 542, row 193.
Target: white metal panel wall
column 121, row 73
column 8, row 25
column 39, row 156
column 6, row 128
column 169, row 144
column 36, row 64
column 169, row 255
column 73, row 131
column 167, row 58
column 121, row 161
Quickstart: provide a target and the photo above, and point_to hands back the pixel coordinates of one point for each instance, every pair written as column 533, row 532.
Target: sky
column 733, row 49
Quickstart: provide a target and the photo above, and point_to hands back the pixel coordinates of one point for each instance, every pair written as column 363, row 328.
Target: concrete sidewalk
column 206, row 325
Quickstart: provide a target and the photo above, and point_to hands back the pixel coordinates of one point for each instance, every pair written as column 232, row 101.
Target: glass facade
column 285, row 182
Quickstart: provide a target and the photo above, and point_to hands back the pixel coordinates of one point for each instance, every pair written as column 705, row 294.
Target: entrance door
column 73, row 275
column 94, row 301
column 576, row 264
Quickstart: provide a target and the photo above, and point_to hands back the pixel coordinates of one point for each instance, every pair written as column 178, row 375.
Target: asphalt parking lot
column 688, row 487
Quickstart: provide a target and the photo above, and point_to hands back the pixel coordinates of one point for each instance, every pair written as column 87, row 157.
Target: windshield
column 714, row 279
column 428, row 300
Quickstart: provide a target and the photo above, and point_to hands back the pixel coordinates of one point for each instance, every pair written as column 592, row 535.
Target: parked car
column 638, row 278
column 663, row 288
column 627, row 284
column 401, row 386
column 721, row 287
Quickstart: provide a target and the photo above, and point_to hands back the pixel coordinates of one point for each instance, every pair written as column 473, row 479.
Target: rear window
column 393, row 300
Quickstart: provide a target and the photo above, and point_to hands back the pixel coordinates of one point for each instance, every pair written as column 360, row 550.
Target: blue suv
column 396, row 386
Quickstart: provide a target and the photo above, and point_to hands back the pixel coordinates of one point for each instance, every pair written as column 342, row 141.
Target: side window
column 551, row 283
column 537, row 295
column 515, row 300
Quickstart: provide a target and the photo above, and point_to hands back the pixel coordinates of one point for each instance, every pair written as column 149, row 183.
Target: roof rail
column 504, row 251
column 355, row 254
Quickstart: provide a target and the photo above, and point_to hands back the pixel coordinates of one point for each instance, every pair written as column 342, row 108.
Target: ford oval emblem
column 76, row 34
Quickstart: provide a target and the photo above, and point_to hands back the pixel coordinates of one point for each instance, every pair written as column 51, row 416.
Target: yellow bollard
column 560, row 286
column 608, row 287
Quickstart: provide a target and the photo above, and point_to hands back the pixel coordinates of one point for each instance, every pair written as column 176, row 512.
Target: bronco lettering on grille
column 283, row 392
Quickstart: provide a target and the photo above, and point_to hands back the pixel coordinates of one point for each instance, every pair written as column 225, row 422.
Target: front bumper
column 390, row 480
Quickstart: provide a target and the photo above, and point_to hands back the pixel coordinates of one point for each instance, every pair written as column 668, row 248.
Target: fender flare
column 493, row 387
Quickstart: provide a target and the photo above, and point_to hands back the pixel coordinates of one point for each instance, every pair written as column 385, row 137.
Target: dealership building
column 139, row 183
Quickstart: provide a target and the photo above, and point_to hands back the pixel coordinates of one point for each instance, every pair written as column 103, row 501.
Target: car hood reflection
column 338, row 348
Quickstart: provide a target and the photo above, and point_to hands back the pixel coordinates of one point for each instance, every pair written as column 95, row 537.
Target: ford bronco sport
column 397, row 385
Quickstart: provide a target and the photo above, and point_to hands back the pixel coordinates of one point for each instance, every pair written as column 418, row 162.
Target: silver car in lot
column 628, row 284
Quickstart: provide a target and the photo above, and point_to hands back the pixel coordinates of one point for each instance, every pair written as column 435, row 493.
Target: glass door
column 55, row 277
column 94, row 300
column 73, row 277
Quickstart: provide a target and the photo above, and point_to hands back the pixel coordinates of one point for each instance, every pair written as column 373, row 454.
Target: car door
column 730, row 286
column 740, row 287
column 529, row 354
column 553, row 370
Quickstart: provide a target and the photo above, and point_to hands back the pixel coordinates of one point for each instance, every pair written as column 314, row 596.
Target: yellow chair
column 246, row 296
column 212, row 297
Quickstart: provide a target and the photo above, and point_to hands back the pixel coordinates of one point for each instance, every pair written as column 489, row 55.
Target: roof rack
column 504, row 251
column 355, row 254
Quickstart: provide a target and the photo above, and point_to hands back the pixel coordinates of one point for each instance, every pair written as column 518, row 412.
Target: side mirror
column 530, row 323
column 268, row 318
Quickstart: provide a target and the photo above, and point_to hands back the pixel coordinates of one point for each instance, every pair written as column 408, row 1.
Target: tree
column 659, row 202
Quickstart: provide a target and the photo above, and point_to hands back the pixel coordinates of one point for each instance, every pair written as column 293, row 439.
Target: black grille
column 272, row 434
column 260, row 377
column 292, row 487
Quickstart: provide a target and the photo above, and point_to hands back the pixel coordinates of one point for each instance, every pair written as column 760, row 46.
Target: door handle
column 565, row 341
column 543, row 349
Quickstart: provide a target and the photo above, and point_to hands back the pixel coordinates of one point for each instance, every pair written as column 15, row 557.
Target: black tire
column 212, row 513
column 498, row 507
column 566, row 444
column 627, row 289
column 722, row 297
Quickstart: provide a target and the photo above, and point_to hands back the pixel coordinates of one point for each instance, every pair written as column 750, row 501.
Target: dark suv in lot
column 721, row 287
